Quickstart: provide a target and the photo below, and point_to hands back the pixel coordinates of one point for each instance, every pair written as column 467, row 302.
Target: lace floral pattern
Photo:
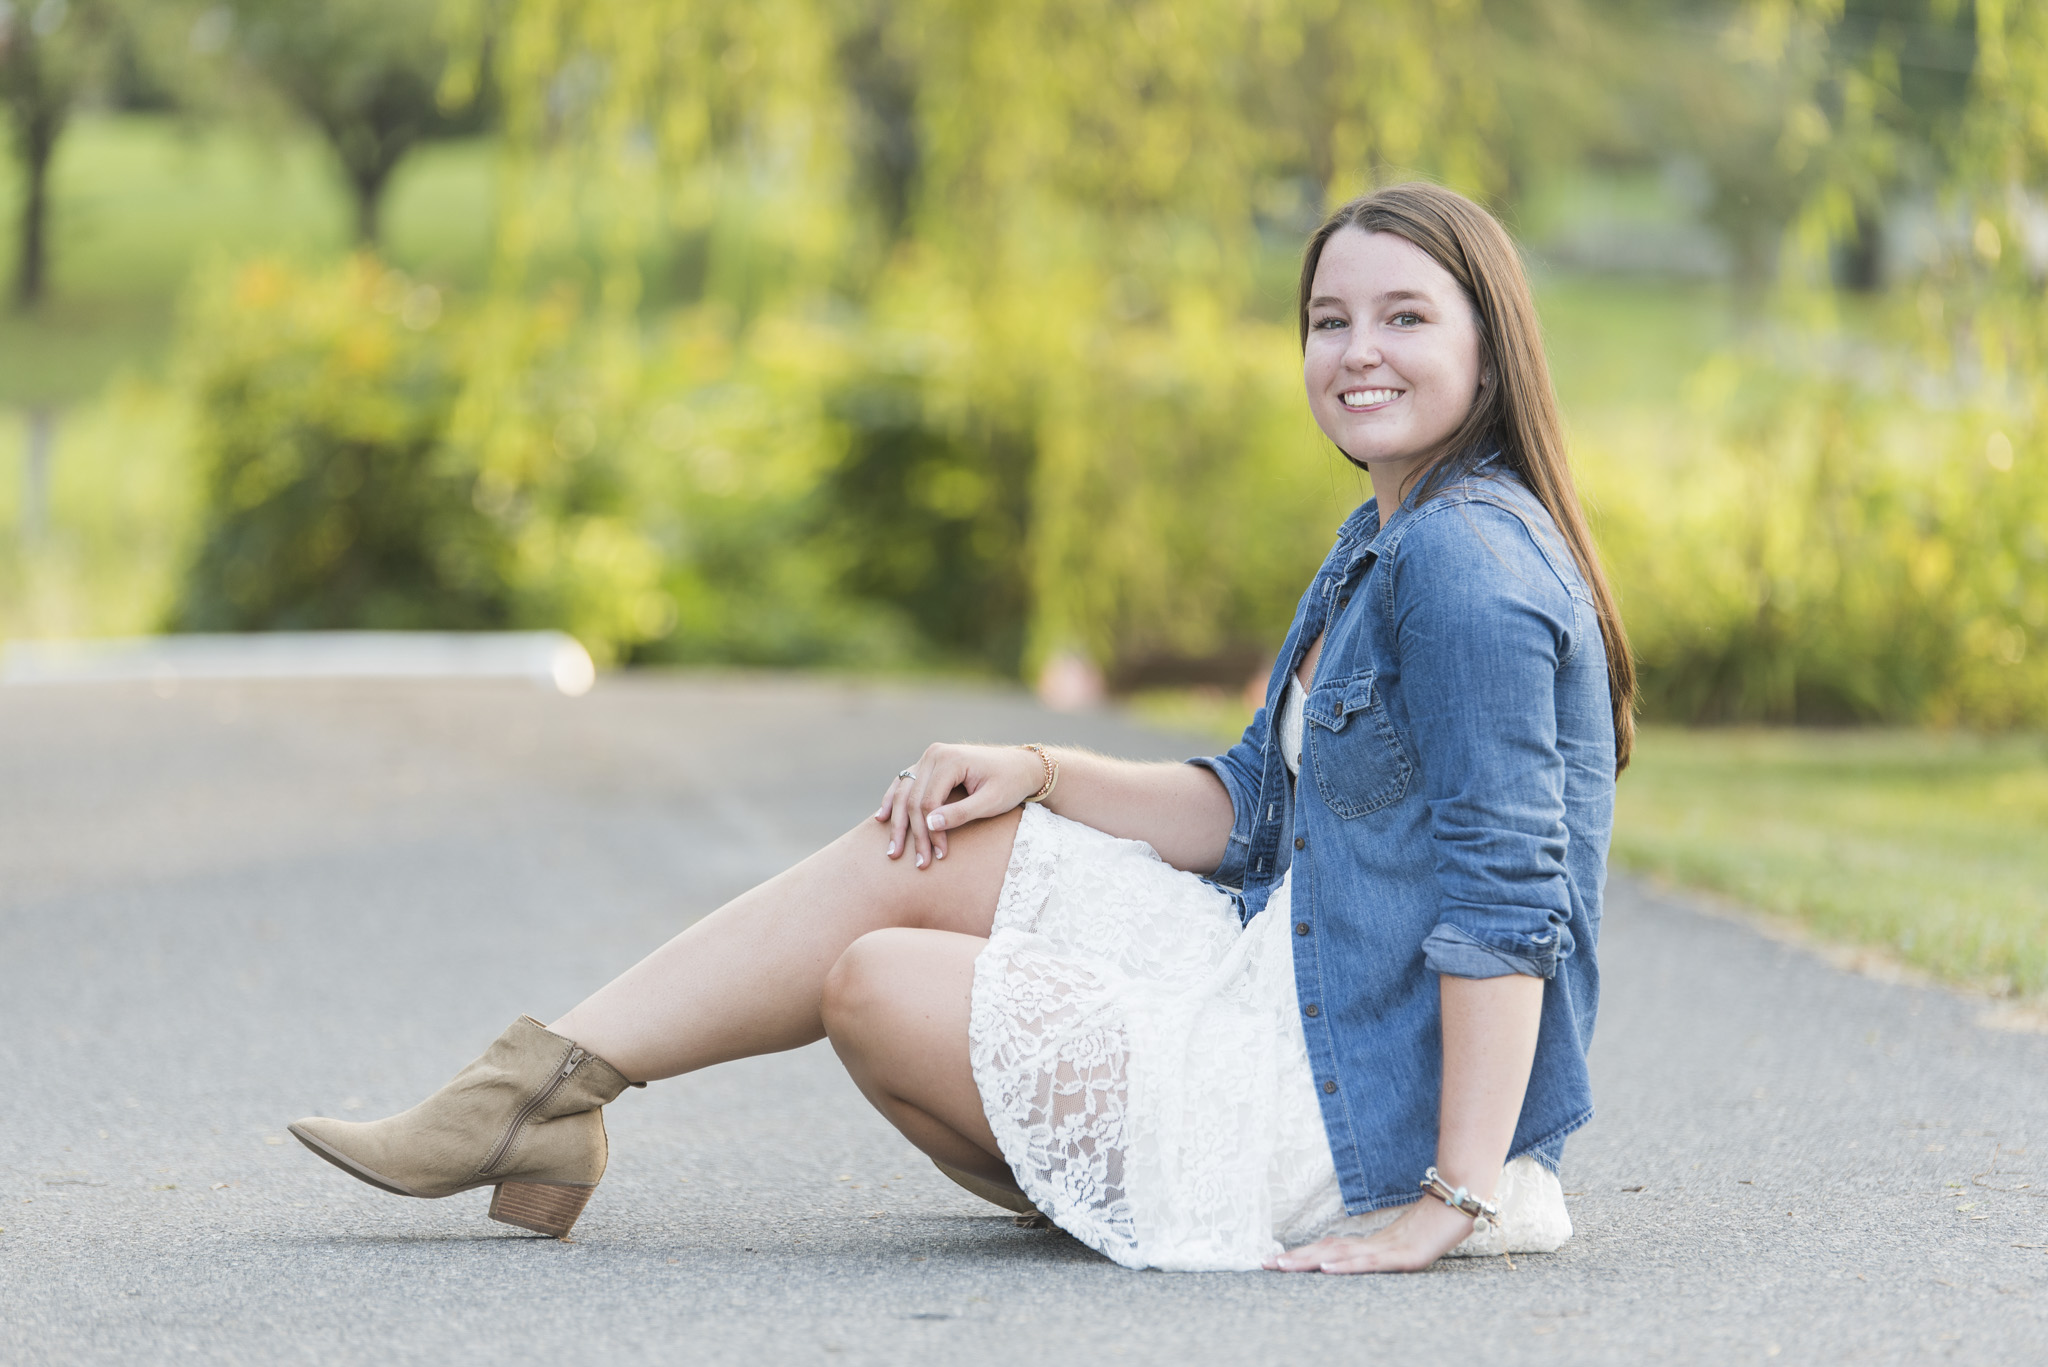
column 1140, row 1058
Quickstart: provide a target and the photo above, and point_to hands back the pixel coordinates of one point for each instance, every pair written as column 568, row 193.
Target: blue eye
column 1407, row 319
column 1322, row 324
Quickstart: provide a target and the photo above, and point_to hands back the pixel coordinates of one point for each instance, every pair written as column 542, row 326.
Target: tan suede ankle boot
column 524, row 1118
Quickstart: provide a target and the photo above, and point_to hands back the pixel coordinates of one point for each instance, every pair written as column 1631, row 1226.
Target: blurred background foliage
column 952, row 336
column 945, row 335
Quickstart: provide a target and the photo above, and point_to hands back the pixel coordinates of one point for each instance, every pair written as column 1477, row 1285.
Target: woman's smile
column 1368, row 400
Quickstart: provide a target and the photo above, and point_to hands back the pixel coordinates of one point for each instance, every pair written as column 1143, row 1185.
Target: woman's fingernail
column 935, row 822
column 892, row 849
column 941, row 854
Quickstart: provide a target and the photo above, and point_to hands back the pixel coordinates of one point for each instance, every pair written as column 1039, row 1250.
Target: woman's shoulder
column 1486, row 525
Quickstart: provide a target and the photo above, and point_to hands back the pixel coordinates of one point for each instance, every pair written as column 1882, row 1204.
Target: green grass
column 1933, row 847
column 139, row 202
column 118, row 518
column 1622, row 346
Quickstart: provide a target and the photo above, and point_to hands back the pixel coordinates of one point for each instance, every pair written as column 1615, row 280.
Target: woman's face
column 1392, row 362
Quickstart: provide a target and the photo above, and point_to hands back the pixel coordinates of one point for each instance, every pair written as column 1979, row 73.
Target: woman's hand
column 950, row 786
column 1424, row 1232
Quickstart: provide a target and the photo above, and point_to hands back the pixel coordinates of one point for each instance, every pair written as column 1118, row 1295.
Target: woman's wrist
column 1064, row 759
column 1467, row 1202
column 1049, row 767
column 1479, row 1178
column 1451, row 1223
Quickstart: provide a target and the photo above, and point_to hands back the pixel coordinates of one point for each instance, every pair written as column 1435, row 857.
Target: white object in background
column 547, row 657
column 1071, row 683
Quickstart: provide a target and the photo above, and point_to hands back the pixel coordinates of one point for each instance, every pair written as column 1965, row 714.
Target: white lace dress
column 1142, row 1063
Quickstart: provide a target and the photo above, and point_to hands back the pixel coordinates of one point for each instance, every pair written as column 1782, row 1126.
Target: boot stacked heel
column 526, row 1119
column 539, row 1207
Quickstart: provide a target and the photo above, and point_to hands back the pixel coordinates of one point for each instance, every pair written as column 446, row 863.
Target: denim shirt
column 1451, row 817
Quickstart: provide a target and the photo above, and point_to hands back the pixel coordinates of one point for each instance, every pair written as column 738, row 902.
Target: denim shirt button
column 1301, row 927
column 1300, row 843
column 1330, row 1087
column 1311, row 1010
column 1344, row 600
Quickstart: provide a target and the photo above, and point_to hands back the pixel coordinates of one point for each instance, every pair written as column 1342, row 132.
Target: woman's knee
column 900, row 991
column 858, row 985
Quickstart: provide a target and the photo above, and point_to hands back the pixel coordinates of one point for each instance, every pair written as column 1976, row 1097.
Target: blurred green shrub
column 737, row 459
column 366, row 463
column 1816, row 544
column 348, row 485
column 1041, row 397
column 932, row 520
column 850, row 494
column 1822, row 547
column 323, row 403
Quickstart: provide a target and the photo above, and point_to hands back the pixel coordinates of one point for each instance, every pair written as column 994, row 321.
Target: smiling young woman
column 1331, row 988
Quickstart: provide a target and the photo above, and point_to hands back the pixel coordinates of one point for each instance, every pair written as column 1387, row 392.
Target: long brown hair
column 1517, row 414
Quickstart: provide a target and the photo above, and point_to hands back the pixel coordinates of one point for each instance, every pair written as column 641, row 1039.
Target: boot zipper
column 540, row 1099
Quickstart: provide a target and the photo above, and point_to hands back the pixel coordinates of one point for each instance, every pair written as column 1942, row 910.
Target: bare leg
column 750, row 977
column 896, row 1008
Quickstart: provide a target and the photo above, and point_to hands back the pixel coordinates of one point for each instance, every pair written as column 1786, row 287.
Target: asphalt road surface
column 226, row 908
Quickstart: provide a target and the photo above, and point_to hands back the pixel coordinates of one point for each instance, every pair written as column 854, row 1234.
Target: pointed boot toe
column 336, row 1141
column 525, row 1118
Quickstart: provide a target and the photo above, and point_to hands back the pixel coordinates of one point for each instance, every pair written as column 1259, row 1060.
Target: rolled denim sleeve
column 1450, row 949
column 1483, row 623
column 1240, row 769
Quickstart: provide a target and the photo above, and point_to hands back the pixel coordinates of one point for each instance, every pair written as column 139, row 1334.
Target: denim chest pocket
column 1359, row 762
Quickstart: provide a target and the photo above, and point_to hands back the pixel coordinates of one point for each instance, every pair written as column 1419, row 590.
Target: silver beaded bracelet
column 1460, row 1199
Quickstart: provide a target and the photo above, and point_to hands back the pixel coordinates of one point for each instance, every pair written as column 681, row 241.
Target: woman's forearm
column 1489, row 1044
column 1181, row 810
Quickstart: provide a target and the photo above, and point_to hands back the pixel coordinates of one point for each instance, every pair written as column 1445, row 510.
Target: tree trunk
column 885, row 136
column 1859, row 262
column 38, row 108
column 31, row 270
column 370, row 136
column 369, row 184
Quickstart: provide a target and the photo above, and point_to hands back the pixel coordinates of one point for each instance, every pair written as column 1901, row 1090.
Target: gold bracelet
column 1052, row 772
